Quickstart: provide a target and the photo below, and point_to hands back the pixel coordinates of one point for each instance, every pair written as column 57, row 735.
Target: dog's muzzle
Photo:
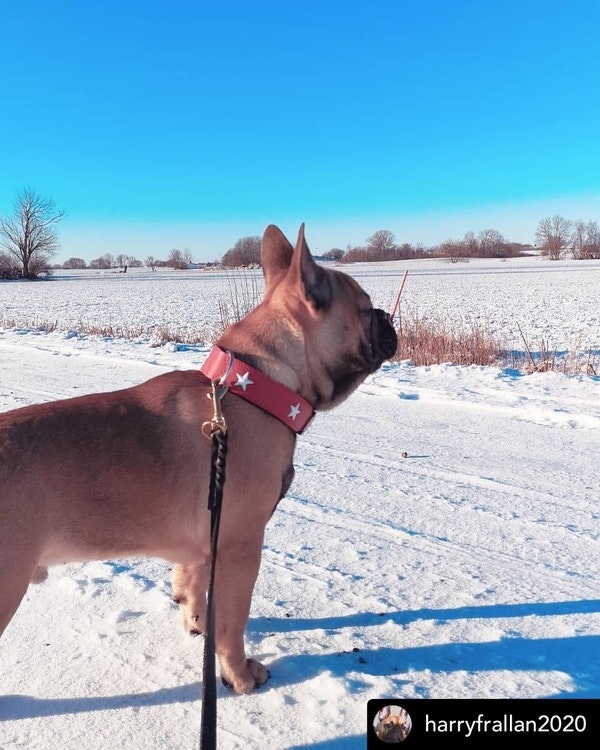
column 394, row 733
column 384, row 340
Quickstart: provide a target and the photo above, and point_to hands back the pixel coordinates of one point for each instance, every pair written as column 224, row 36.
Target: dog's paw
column 40, row 574
column 192, row 615
column 252, row 677
column 193, row 625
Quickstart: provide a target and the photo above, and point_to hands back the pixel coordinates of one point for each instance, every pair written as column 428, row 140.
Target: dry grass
column 244, row 295
column 422, row 341
column 31, row 325
column 156, row 335
column 575, row 360
column 429, row 342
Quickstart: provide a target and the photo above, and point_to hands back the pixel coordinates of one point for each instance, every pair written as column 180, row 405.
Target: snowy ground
column 554, row 303
column 468, row 569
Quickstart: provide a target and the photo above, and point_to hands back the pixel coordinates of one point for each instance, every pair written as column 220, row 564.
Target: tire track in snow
column 582, row 414
column 540, row 523
column 419, row 472
column 432, row 545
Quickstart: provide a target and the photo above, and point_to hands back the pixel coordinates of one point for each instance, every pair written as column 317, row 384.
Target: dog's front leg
column 236, row 573
column 234, row 584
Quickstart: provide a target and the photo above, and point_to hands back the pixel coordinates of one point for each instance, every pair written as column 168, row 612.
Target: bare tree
column 491, row 243
column 471, row 243
column 453, row 250
column 592, row 240
column 245, row 252
column 75, row 263
column 104, row 261
column 554, row 234
column 355, row 254
column 30, row 234
column 420, row 250
column 8, row 267
column 178, row 259
column 335, row 253
column 585, row 240
column 382, row 245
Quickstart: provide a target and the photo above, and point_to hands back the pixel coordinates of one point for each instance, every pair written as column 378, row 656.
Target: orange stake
column 397, row 302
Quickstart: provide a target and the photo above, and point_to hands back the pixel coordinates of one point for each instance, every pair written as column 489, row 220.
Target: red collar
column 252, row 385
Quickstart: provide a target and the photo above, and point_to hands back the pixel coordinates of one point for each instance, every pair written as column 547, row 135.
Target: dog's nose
column 386, row 335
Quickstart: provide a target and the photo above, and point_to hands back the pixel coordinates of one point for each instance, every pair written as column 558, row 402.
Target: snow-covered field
column 468, row 569
column 558, row 303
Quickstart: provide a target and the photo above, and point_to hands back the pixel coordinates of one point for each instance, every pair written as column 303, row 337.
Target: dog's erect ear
column 275, row 254
column 309, row 276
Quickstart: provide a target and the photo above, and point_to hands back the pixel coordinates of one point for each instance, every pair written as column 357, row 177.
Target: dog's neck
column 247, row 382
column 274, row 348
column 278, row 348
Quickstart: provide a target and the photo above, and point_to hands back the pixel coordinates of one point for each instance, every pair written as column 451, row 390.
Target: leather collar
column 254, row 386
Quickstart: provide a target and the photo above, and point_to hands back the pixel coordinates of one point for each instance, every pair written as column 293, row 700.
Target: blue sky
column 191, row 124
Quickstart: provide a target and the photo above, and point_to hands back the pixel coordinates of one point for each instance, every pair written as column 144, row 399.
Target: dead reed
column 155, row 335
column 428, row 342
column 575, row 360
column 244, row 295
column 35, row 324
column 423, row 341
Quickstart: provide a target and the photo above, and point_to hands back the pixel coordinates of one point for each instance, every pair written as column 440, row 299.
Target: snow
column 468, row 568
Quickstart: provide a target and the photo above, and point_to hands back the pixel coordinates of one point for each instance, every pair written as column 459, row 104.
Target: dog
column 126, row 473
column 393, row 727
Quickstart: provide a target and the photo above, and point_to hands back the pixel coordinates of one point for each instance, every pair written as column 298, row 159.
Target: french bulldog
column 393, row 727
column 126, row 473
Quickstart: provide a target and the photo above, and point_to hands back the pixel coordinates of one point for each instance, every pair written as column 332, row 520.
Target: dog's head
column 392, row 727
column 341, row 336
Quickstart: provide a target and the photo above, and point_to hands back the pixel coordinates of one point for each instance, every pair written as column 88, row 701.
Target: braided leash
column 216, row 429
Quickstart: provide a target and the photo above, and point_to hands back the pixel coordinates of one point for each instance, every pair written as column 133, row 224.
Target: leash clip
column 218, row 389
column 217, row 423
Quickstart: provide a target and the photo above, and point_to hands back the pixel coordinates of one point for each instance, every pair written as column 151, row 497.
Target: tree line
column 556, row 237
column 178, row 259
column 559, row 236
column 29, row 240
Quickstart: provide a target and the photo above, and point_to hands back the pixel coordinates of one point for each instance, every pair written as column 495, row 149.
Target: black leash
column 217, row 429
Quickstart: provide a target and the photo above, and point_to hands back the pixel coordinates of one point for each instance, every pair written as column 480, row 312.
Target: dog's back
column 90, row 477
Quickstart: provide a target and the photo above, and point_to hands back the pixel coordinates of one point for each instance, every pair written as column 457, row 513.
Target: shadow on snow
column 574, row 656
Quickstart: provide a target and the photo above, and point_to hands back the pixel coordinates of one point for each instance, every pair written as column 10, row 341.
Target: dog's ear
column 275, row 254
column 310, row 279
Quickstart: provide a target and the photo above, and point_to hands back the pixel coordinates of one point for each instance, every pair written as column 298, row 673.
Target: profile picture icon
column 392, row 724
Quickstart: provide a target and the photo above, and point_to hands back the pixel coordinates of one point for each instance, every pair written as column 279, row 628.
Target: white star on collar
column 243, row 381
column 294, row 411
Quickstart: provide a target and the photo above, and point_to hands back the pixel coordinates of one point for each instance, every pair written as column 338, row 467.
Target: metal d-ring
column 218, row 389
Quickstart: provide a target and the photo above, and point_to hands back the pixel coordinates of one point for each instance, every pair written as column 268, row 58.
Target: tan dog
column 393, row 727
column 126, row 473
